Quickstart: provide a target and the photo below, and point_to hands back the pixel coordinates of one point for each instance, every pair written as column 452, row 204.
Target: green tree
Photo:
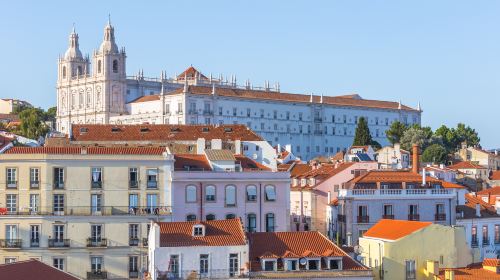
column 435, row 153
column 362, row 136
column 395, row 132
column 449, row 137
column 32, row 125
column 467, row 134
column 421, row 136
column 376, row 145
column 50, row 114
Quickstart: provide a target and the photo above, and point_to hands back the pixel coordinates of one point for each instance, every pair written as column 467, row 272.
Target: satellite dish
column 302, row 261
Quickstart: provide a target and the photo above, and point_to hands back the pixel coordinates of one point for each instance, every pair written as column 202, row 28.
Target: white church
column 100, row 92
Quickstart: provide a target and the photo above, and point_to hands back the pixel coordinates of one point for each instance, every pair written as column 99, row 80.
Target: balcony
column 88, row 211
column 152, row 184
column 133, row 242
column 96, row 185
column 34, row 184
column 11, row 243
column 133, row 185
column 363, row 219
column 341, row 218
column 440, row 217
column 179, row 112
column 497, row 240
column 474, row 242
column 390, row 217
column 145, row 242
column 11, row 184
column 58, row 243
column 486, row 241
column 394, row 193
column 97, row 242
column 133, row 274
column 34, row 243
column 318, row 132
column 318, row 119
column 209, row 112
column 413, row 217
column 97, row 274
column 58, row 185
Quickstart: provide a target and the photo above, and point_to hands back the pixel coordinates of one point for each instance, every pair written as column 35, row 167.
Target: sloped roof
column 146, row 98
column 296, row 243
column 249, row 164
column 33, row 269
column 471, row 272
column 218, row 155
column 299, row 168
column 161, row 132
column 191, row 162
column 495, row 175
column 190, row 72
column 326, row 171
column 466, row 165
column 392, row 230
column 469, row 209
column 217, row 233
column 390, row 176
column 75, row 150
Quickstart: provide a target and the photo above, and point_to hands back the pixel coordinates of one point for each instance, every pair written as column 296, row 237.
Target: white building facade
column 101, row 92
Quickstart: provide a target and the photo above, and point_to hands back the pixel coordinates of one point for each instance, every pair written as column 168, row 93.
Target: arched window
column 79, row 68
column 115, row 66
column 230, row 195
column 191, row 217
column 210, row 217
column 270, row 193
column 230, row 216
column 251, row 222
column 191, row 193
column 251, row 193
column 270, row 222
column 210, row 193
column 99, row 66
column 64, row 72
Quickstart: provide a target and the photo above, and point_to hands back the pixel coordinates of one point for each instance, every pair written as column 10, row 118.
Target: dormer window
column 198, row 230
column 84, row 130
column 144, row 129
column 335, row 264
column 228, row 129
column 312, row 181
column 295, row 182
column 303, row 182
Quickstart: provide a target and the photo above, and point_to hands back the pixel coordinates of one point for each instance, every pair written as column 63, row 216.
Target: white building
column 393, row 157
column 101, row 92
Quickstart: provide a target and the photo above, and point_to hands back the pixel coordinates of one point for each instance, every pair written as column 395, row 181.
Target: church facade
column 97, row 90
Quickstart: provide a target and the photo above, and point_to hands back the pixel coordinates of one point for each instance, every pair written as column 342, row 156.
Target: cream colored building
column 8, row 105
column 84, row 210
column 491, row 160
column 398, row 249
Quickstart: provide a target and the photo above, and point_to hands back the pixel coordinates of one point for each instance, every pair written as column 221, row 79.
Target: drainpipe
column 201, row 201
column 260, row 206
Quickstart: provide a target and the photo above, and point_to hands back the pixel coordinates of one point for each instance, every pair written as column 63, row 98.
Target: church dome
column 108, row 45
column 73, row 51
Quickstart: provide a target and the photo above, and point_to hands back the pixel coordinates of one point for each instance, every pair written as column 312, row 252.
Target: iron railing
column 88, row 211
column 59, row 243
column 97, row 274
column 11, row 243
column 97, row 242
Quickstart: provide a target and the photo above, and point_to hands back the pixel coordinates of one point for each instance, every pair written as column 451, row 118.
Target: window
column 413, row 212
column 191, row 217
column 96, row 204
column 497, row 234
column 313, row 264
column 133, row 201
column 335, row 264
column 11, row 203
column 34, row 203
column 34, row 178
column 210, row 217
column 388, row 211
column 220, row 111
column 233, row 265
column 248, row 112
column 261, row 126
column 251, row 222
column 96, row 264
column 300, row 116
column 58, row 263
column 133, row 234
column 410, row 270
column 11, row 177
column 474, row 236
column 261, row 113
column 167, row 108
column 64, row 72
column 58, row 178
column 269, row 265
column 440, row 213
column 58, row 233
column 230, row 196
column 174, row 265
column 210, row 193
column 486, row 240
column 152, row 178
column 115, row 66
column 275, row 114
column 11, row 235
column 291, row 265
column 96, row 177
column 152, row 202
column 270, row 222
column 203, row 264
column 179, row 107
column 287, row 115
column 99, row 66
column 133, row 177
column 270, row 193
column 34, row 235
column 251, row 193
column 96, row 233
column 133, row 266
column 191, row 193
column 230, row 216
column 58, row 204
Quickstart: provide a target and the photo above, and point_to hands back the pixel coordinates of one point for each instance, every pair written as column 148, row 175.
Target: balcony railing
column 58, row 243
column 97, row 242
column 440, row 217
column 497, row 240
column 474, row 242
column 34, row 184
column 133, row 184
column 144, row 242
column 152, row 184
column 318, row 119
column 391, row 217
column 34, row 243
column 133, row 242
column 210, row 274
column 58, row 185
column 99, row 274
column 486, row 241
column 11, row 184
column 11, row 243
column 133, row 274
column 394, row 192
column 413, row 217
column 96, row 185
column 88, row 211
column 208, row 112
column 363, row 219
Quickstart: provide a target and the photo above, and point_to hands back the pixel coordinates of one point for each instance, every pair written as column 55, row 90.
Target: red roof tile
column 190, row 72
column 491, row 262
column 391, row 176
column 146, row 98
column 281, row 243
column 495, row 175
column 249, row 164
column 88, row 150
column 217, row 233
column 466, row 165
column 161, row 132
column 299, row 168
column 471, row 272
column 394, row 229
column 491, row 191
column 191, row 162
column 32, row 269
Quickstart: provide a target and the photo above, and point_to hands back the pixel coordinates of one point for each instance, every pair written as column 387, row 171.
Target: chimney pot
column 415, row 163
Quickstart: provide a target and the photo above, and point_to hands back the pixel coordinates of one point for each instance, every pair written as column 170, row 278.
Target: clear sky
column 445, row 54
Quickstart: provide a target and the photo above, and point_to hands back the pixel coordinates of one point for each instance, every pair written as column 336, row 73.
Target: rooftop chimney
column 415, row 163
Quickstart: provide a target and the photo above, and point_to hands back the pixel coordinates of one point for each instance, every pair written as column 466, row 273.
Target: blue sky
column 445, row 54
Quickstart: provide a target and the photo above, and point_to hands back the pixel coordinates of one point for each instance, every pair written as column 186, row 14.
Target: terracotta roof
column 390, row 176
column 217, row 155
column 299, row 168
column 161, row 132
column 4, row 141
column 250, row 164
column 495, row 175
column 326, row 171
column 491, row 262
column 466, row 165
column 394, row 229
column 490, row 191
column 292, row 97
column 281, row 243
column 146, row 98
column 217, row 233
column 88, row 150
column 33, row 269
column 190, row 72
column 471, row 272
column 284, row 166
column 290, row 255
column 469, row 209
column 449, row 185
column 191, row 162
column 334, row 202
column 338, row 156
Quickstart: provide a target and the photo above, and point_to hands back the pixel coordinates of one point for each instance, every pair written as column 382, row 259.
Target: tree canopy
column 395, row 132
column 32, row 123
column 362, row 136
column 435, row 153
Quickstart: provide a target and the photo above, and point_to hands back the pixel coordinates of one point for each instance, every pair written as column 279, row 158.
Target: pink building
column 220, row 185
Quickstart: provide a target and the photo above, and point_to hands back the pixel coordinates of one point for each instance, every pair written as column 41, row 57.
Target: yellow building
column 83, row 210
column 397, row 249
